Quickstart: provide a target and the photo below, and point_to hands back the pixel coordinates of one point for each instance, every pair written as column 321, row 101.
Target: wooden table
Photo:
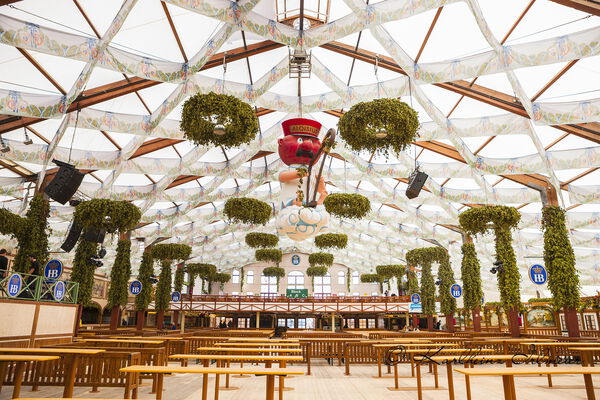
column 241, row 339
column 249, row 350
column 20, row 361
column 159, row 370
column 424, row 352
column 136, row 341
column 258, row 344
column 268, row 360
column 469, row 362
column 586, row 356
column 71, row 357
column 506, row 373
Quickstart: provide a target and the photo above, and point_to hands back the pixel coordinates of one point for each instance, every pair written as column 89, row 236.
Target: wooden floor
column 329, row 383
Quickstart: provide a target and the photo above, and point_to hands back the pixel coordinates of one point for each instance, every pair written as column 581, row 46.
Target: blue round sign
column 53, row 269
column 59, row 290
column 15, row 282
column 295, row 259
column 415, row 298
column 538, row 274
column 175, row 296
column 456, row 290
column 135, row 288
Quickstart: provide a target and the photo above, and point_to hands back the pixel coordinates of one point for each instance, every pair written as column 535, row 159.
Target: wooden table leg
column 435, row 375
column 468, row 383
column 227, row 375
column 19, row 371
column 159, row 386
column 506, row 387
column 216, row 386
column 450, row 380
column 205, row 382
column 412, row 365
column 589, row 386
column 379, row 363
column 282, row 364
column 346, row 359
column 72, row 362
column 419, row 388
column 2, row 373
column 270, row 387
column 136, row 384
column 394, row 358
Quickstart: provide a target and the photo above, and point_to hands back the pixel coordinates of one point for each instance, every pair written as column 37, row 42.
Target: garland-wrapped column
column 178, row 286
column 412, row 287
column 446, row 277
column 143, row 299
column 471, row 278
column 563, row 280
column 83, row 271
column 119, row 279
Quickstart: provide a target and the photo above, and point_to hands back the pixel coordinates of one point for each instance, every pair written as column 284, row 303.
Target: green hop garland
column 163, row 287
column 110, row 215
column 119, row 275
column 322, row 259
column 83, row 272
column 331, row 240
column 347, row 205
column 277, row 272
column 247, row 210
column 471, row 277
column 171, row 251
column 143, row 299
column 268, row 255
column 261, row 240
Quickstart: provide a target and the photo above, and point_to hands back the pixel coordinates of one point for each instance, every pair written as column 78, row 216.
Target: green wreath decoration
column 274, row 271
column 110, row 215
column 330, row 240
column 83, row 272
column 171, row 251
column 320, row 259
column 269, row 255
column 222, row 278
column 258, row 240
column 247, row 210
column 347, row 205
column 317, row 271
column 204, row 271
column 119, row 275
column 390, row 271
column 203, row 112
column 379, row 126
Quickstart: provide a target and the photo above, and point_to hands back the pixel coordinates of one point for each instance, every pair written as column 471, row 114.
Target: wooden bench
column 507, row 373
column 270, row 373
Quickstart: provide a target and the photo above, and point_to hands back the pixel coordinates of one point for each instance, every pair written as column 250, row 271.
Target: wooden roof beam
column 588, row 6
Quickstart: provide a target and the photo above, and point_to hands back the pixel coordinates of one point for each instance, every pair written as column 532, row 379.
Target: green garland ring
column 329, row 240
column 347, row 205
column 247, row 210
column 258, row 240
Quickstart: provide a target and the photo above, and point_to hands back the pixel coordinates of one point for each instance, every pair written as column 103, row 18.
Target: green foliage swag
column 471, row 277
column 163, row 287
column 330, row 240
column 392, row 271
column 178, row 280
column 373, row 278
column 412, row 281
column 348, row 279
column 238, row 119
column 110, row 215
column 222, row 278
column 146, row 271
column 347, row 205
column 247, row 210
column 261, row 240
column 171, row 251
column 83, row 272
column 204, row 271
column 29, row 231
column 320, row 259
column 277, row 272
column 268, row 255
column 541, row 300
column 503, row 219
column 242, row 279
column 563, row 279
column 317, row 271
column 424, row 257
column 446, row 277
column 379, row 125
column 119, row 275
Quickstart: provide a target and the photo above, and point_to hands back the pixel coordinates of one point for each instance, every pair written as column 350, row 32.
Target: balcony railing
column 38, row 288
column 279, row 298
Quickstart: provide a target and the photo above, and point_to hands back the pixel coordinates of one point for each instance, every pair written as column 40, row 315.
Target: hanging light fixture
column 5, row 148
column 28, row 140
column 219, row 130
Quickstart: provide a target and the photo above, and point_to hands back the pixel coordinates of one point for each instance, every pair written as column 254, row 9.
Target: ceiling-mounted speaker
column 415, row 183
column 65, row 183
column 72, row 237
column 94, row 235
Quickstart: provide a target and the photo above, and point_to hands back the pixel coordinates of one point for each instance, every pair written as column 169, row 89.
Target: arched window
column 341, row 278
column 322, row 285
column 268, row 285
column 250, row 277
column 355, row 278
column 295, row 280
column 235, row 276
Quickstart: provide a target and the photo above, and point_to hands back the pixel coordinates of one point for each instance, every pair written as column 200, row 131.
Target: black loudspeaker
column 65, row 182
column 94, row 235
column 72, row 237
column 415, row 183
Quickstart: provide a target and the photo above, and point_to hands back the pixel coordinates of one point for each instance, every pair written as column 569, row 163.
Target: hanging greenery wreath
column 347, row 205
column 390, row 271
column 163, row 287
column 500, row 220
column 277, row 272
column 379, row 126
column 247, row 210
column 204, row 271
column 563, row 279
column 269, row 255
column 110, row 215
column 330, row 240
column 258, row 240
column 171, row 251
column 222, row 278
column 320, row 259
column 202, row 113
